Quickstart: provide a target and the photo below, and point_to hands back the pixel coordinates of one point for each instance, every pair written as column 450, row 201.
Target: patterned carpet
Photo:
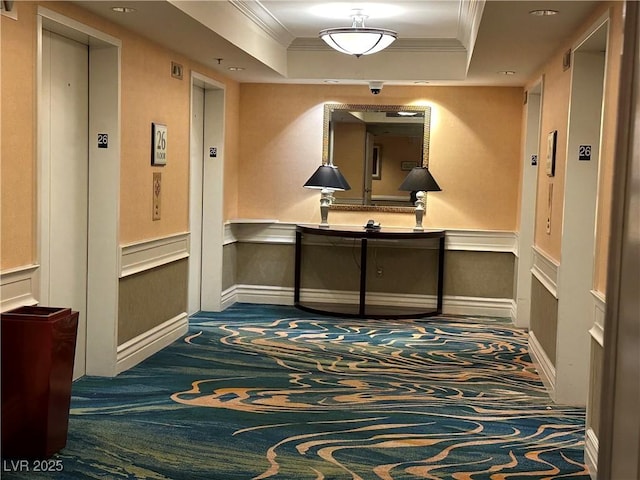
column 260, row 392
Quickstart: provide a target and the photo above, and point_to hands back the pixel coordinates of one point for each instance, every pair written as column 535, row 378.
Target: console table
column 362, row 238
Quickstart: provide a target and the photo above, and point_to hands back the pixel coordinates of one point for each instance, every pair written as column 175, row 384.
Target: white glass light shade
column 358, row 41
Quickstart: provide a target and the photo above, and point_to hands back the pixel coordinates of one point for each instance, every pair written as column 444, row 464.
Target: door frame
column 579, row 225
column 209, row 172
column 526, row 230
column 103, row 192
column 619, row 438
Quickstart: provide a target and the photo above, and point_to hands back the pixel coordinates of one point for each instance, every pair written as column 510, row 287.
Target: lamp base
column 419, row 211
column 326, row 198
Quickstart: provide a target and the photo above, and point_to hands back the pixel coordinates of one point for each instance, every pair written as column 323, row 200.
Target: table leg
column 296, row 284
column 363, row 274
column 440, row 275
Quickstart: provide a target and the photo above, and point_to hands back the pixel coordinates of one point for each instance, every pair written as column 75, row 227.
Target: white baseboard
column 489, row 307
column 452, row 305
column 514, row 312
column 546, row 369
column 18, row 287
column 143, row 346
column 591, row 453
column 229, row 297
column 264, row 294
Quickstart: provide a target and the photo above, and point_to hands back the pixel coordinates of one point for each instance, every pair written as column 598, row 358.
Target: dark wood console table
column 362, row 237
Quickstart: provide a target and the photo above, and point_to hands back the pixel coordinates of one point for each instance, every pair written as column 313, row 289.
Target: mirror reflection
column 375, row 147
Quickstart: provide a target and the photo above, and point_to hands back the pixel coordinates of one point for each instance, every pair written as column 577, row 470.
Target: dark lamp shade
column 327, row 176
column 420, row 179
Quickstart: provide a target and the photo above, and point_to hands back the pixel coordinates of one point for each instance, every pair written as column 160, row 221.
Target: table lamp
column 420, row 181
column 328, row 179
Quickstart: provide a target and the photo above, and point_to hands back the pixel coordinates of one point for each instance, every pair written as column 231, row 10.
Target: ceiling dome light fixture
column 358, row 40
column 123, row 9
column 543, row 12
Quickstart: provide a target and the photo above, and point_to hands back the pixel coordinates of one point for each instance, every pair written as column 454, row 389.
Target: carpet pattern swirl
column 265, row 392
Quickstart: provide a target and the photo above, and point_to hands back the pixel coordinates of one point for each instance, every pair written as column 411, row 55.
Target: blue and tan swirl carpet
column 264, row 392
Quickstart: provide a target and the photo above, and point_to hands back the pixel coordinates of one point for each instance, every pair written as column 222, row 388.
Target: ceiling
column 442, row 42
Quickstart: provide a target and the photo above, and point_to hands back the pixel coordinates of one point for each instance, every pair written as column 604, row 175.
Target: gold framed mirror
column 375, row 147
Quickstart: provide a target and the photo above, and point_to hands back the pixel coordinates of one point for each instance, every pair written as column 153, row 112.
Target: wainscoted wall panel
column 265, row 264
column 331, row 267
column 544, row 318
column 595, row 387
column 18, row 287
column 229, row 262
column 149, row 298
column 479, row 274
column 264, row 271
column 402, row 270
column 593, row 407
column 545, row 269
column 595, row 383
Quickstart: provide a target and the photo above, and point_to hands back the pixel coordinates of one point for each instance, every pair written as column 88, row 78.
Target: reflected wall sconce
column 327, row 178
column 420, row 181
column 358, row 40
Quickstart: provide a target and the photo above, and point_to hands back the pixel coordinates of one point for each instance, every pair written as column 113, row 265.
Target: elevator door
column 65, row 98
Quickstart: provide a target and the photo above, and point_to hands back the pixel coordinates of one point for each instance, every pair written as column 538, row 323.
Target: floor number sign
column 158, row 144
column 584, row 152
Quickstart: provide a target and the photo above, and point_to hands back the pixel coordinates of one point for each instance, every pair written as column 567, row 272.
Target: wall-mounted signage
column 103, row 140
column 157, row 191
column 584, row 152
column 158, row 144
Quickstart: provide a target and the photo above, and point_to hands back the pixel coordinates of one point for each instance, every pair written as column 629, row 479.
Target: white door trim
column 212, row 192
column 575, row 276
column 526, row 232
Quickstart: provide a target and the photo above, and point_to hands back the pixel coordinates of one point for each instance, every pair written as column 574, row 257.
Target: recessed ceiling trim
column 262, row 17
column 469, row 18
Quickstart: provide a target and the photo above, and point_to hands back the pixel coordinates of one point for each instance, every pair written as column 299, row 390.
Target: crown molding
column 469, row 17
column 262, row 18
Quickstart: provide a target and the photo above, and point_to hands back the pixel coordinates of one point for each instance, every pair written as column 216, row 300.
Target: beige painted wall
column 554, row 117
column 475, row 152
column 17, row 154
column 550, row 190
column 145, row 77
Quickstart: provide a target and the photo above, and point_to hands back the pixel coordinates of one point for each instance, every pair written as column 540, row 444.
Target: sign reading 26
column 158, row 144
